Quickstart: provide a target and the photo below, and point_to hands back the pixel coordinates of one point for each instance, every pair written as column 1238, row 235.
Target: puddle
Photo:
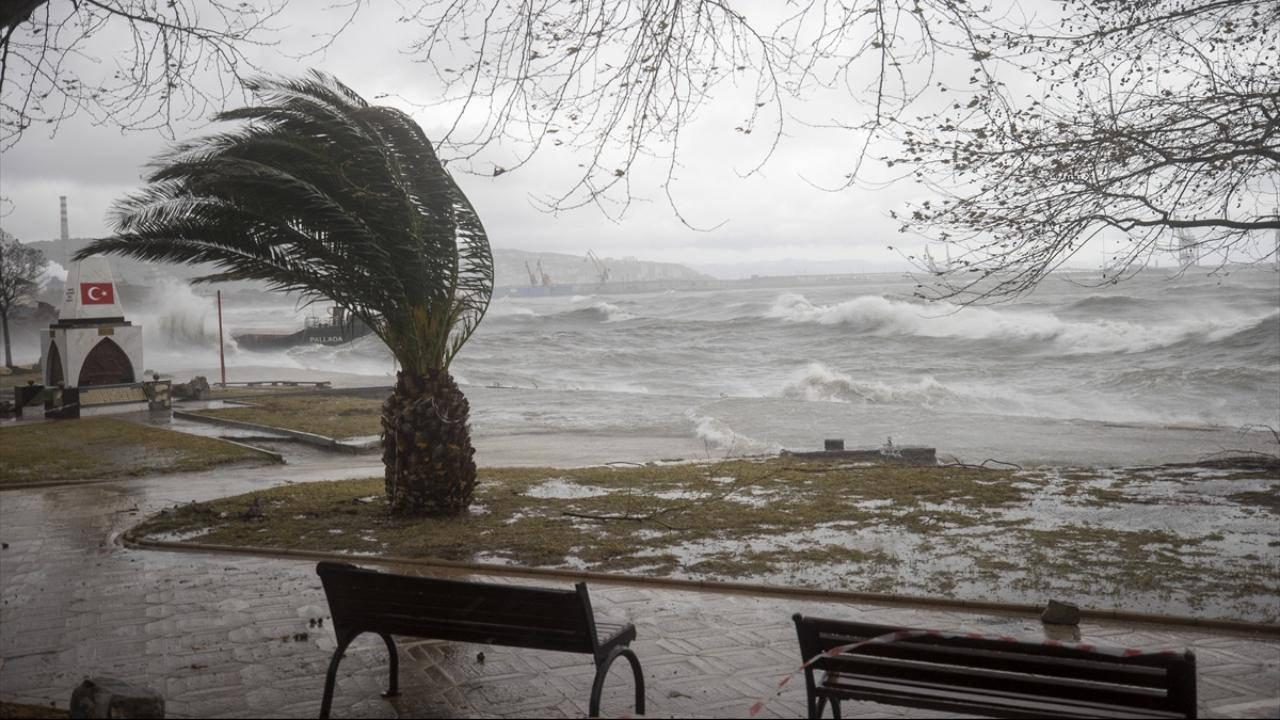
column 363, row 440
column 180, row 536
column 565, row 489
column 679, row 495
column 492, row 559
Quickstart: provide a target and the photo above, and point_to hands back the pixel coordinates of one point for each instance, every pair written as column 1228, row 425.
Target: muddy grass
column 103, row 448
column 19, row 710
column 338, row 416
column 971, row 533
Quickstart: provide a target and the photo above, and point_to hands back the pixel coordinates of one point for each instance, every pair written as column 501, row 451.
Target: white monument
column 92, row 343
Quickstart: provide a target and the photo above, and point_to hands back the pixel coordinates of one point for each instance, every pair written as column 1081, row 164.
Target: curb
column 128, row 540
column 380, row 391
column 320, row 441
column 275, row 457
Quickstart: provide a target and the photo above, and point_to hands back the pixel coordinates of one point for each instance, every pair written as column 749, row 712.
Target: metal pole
column 222, row 359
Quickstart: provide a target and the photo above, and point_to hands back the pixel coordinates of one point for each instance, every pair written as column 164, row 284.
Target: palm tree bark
column 426, row 446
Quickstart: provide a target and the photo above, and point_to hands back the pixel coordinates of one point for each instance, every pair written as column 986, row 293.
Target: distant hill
column 509, row 267
column 135, row 272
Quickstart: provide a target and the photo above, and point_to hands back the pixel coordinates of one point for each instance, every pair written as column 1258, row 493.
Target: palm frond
column 317, row 192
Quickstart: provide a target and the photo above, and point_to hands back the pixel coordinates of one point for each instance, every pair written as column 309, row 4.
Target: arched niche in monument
column 54, row 363
column 106, row 364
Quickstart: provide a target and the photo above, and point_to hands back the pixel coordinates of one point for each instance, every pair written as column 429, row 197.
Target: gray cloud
column 775, row 214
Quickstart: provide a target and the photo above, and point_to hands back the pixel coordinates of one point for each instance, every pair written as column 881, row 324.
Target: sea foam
column 878, row 315
column 817, row 382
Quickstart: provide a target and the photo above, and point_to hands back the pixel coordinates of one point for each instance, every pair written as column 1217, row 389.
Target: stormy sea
column 1165, row 367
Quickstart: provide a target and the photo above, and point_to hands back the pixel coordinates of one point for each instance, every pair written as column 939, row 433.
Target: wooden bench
column 363, row 601
column 991, row 676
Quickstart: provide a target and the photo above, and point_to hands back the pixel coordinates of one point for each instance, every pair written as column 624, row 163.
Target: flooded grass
column 338, row 416
column 102, row 448
column 1094, row 537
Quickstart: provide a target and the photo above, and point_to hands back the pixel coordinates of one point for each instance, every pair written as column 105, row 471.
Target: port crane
column 602, row 270
column 1188, row 248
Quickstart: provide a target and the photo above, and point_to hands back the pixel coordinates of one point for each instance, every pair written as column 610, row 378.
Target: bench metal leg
column 602, row 669
column 331, row 677
column 815, row 712
column 394, row 690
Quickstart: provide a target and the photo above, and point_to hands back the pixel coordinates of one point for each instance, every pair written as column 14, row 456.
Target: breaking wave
column 599, row 311
column 1262, row 335
column 175, row 315
column 1111, row 304
column 877, row 315
column 817, row 382
column 504, row 308
column 715, row 433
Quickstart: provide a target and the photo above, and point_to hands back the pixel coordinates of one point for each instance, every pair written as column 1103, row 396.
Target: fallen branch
column 980, row 466
column 591, row 516
column 651, row 517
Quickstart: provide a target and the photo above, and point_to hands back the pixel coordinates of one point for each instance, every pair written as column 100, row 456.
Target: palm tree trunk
column 426, row 446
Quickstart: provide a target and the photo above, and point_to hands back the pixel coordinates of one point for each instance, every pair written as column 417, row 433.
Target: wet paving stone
column 236, row 636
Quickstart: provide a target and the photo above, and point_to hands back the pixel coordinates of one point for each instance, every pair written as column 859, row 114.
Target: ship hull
column 321, row 335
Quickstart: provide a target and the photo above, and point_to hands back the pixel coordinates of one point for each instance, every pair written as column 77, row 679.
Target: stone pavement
column 231, row 636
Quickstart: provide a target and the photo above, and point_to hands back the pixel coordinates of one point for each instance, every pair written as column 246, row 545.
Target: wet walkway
column 233, row 636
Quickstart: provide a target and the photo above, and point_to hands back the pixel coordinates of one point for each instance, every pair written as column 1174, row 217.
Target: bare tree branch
column 134, row 64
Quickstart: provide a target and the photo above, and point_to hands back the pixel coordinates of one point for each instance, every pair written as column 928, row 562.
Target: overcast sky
column 777, row 213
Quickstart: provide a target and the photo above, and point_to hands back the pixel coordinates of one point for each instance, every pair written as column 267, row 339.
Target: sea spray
column 717, row 435
column 877, row 315
column 175, row 317
column 818, row 382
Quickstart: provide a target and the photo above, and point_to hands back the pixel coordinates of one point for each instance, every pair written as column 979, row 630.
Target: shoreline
column 516, row 425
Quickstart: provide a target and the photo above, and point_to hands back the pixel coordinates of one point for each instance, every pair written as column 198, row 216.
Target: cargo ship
column 339, row 328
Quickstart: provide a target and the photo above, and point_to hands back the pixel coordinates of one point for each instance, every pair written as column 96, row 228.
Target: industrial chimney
column 66, row 233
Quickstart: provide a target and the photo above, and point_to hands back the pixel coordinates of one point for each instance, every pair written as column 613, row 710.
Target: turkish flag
column 97, row 293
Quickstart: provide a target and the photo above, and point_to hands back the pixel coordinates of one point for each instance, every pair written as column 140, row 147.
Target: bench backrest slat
column 826, row 634
column 368, row 601
column 1079, row 669
column 1022, row 662
column 998, row 667
column 986, row 705
column 932, row 676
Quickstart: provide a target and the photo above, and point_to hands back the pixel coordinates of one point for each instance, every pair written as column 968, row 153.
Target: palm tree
column 319, row 192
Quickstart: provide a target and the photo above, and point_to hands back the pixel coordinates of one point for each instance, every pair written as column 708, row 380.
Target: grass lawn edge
column 130, row 540
column 111, row 448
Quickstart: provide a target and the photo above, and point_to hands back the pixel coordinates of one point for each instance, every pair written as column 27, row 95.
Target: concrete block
column 1060, row 613
column 103, row 697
